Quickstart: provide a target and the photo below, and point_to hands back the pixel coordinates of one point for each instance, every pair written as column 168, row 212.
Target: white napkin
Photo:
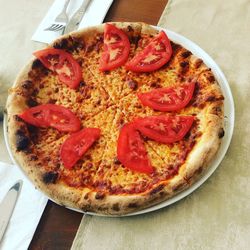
column 94, row 15
column 28, row 210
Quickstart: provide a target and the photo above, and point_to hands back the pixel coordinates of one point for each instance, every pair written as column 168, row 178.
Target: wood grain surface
column 58, row 225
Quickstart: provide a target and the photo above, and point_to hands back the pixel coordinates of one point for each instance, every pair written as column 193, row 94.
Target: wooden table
column 59, row 225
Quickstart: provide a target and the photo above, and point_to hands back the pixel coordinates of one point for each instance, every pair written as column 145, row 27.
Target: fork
column 61, row 20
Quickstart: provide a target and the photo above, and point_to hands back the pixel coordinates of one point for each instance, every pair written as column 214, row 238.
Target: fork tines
column 55, row 27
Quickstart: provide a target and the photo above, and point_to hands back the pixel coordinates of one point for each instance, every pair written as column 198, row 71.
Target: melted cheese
column 106, row 100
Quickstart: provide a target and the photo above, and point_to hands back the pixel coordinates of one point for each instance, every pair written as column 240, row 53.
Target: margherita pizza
column 114, row 118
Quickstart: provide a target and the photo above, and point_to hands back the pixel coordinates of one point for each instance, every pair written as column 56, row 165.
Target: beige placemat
column 19, row 19
column 217, row 215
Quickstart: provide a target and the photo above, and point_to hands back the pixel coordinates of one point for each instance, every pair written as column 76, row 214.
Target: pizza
column 114, row 118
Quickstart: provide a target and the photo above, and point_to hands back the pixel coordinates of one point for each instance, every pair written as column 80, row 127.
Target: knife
column 77, row 17
column 7, row 206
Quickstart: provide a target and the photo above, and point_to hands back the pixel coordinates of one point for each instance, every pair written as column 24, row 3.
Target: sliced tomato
column 164, row 128
column 116, row 48
column 131, row 151
column 36, row 116
column 168, row 99
column 51, row 115
column 153, row 56
column 77, row 144
column 63, row 63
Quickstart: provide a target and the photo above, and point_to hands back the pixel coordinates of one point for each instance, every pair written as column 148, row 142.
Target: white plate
column 229, row 123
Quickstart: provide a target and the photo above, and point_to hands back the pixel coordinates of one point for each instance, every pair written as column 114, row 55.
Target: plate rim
column 213, row 165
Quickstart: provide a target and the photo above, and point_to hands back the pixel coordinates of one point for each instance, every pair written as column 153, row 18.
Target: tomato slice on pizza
column 52, row 115
column 131, row 151
column 168, row 99
column 116, row 48
column 77, row 144
column 63, row 63
column 153, row 56
column 164, row 128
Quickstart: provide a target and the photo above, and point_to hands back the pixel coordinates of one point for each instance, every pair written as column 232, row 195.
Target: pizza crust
column 87, row 200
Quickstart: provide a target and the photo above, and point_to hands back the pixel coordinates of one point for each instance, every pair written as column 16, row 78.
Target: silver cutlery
column 77, row 17
column 61, row 20
column 7, row 206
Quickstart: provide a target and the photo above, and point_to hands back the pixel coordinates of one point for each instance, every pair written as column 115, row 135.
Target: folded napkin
column 94, row 15
column 216, row 216
column 28, row 210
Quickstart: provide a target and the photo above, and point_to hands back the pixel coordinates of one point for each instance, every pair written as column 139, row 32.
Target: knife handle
column 80, row 12
column 65, row 5
column 77, row 17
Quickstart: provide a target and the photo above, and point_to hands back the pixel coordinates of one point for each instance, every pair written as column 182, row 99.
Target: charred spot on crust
column 86, row 196
column 99, row 195
column 156, row 190
column 198, row 171
column 86, row 208
column 33, row 157
column 186, row 54
column 184, row 64
column 36, row 64
column 106, row 72
column 76, row 43
column 50, row 177
column 132, row 84
column 98, row 102
column 211, row 78
column 217, row 110
column 187, row 135
column 88, row 157
column 173, row 169
column 221, row 133
column 38, row 70
column 27, row 84
column 22, row 140
column 32, row 129
column 31, row 102
column 211, row 98
column 175, row 46
column 184, row 67
column 135, row 40
column 197, row 89
column 198, row 63
column 116, row 207
column 133, row 205
column 130, row 29
column 35, row 92
column 179, row 187
column 138, row 106
column 80, row 61
column 62, row 44
column 162, row 193
column 155, row 85
column 17, row 118
column 56, row 90
column 116, row 161
column 82, row 84
column 70, row 44
column 52, row 101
